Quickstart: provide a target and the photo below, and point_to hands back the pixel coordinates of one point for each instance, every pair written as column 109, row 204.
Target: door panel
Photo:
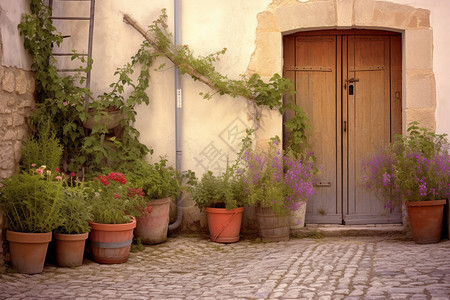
column 349, row 85
column 368, row 120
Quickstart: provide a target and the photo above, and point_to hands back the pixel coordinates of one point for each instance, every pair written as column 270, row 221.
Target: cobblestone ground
column 194, row 268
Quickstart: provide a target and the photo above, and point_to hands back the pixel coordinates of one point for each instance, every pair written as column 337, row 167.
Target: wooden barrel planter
column 224, row 225
column 152, row 228
column 28, row 250
column 271, row 227
column 111, row 243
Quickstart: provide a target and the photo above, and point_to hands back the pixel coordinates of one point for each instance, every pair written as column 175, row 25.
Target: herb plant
column 228, row 190
column 75, row 212
column 31, row 201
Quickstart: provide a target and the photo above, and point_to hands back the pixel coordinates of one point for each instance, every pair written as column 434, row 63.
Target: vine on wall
column 62, row 99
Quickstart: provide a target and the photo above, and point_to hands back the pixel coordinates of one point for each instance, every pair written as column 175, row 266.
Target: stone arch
column 287, row 16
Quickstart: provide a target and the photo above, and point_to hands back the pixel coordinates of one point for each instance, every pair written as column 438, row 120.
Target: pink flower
column 40, row 171
column 58, row 177
column 33, row 165
column 73, row 174
column 65, row 103
column 57, row 170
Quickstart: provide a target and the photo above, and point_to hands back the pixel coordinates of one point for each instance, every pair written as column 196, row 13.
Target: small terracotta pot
column 224, row 225
column 28, row 250
column 425, row 218
column 69, row 249
column 111, row 243
column 152, row 229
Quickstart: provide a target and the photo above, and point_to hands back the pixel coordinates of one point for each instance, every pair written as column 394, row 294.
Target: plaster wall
column 14, row 54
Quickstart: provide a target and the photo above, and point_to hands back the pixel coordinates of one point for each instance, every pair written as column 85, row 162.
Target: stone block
column 31, row 83
column 420, row 18
column 389, row 15
column 267, row 22
column 312, row 14
column 425, row 117
column 420, row 89
column 419, row 49
column 21, row 82
column 344, row 13
column 266, row 60
column 6, row 173
column 10, row 135
column 26, row 101
column 8, row 81
column 7, row 156
column 6, row 102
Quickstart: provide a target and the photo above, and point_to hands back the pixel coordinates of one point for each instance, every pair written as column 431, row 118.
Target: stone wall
column 17, row 100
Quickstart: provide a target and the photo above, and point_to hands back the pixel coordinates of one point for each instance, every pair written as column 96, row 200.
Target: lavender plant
column 279, row 179
column 415, row 167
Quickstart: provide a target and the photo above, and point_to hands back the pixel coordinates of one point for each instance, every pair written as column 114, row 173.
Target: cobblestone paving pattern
column 194, row 268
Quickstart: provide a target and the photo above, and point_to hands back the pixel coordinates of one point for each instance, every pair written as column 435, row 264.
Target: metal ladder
column 89, row 18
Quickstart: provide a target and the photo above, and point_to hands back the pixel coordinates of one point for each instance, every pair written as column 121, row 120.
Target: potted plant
column 31, row 201
column 414, row 170
column 223, row 199
column 73, row 230
column 114, row 207
column 279, row 182
column 160, row 184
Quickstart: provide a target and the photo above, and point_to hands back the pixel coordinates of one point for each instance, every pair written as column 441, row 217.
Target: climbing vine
column 61, row 99
column 263, row 94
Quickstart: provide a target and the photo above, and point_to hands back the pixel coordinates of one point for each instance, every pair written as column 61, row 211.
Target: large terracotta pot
column 271, row 227
column 224, row 225
column 425, row 218
column 111, row 243
column 28, row 250
column 69, row 249
column 152, row 228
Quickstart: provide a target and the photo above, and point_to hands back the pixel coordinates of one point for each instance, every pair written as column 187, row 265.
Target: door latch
column 351, row 80
column 344, row 126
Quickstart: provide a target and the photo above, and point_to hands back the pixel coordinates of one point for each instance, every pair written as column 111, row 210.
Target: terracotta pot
column 224, row 225
column 425, row 218
column 111, row 243
column 28, row 250
column 152, row 229
column 271, row 227
column 69, row 249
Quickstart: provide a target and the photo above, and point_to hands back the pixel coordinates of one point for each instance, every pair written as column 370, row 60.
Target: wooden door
column 349, row 84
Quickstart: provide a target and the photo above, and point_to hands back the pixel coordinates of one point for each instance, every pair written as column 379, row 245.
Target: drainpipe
column 178, row 110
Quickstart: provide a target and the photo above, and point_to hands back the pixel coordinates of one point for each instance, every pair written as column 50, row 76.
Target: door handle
column 351, row 80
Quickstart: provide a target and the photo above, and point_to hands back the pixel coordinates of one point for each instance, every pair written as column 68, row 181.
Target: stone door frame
column 283, row 17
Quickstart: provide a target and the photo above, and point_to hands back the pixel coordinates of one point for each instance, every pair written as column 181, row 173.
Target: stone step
column 327, row 230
